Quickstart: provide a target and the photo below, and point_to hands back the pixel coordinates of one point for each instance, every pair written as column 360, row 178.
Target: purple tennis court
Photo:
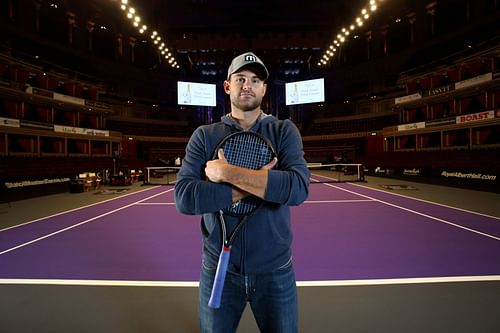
column 131, row 264
column 342, row 232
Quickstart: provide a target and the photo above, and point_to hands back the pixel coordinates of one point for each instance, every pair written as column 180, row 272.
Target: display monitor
column 199, row 94
column 303, row 92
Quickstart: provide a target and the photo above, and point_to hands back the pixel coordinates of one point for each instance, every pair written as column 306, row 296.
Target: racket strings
column 246, row 150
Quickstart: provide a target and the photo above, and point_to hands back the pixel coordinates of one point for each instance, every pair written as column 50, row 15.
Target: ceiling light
column 358, row 21
column 133, row 15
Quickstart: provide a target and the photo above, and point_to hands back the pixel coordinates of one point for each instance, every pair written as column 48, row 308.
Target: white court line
column 323, row 283
column 81, row 223
column 305, row 202
column 427, row 201
column 75, row 209
column 418, row 199
column 336, row 201
column 374, row 282
column 418, row 213
column 110, row 283
column 155, row 203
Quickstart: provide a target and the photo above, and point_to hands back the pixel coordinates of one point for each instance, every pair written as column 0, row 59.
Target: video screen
column 199, row 94
column 303, row 92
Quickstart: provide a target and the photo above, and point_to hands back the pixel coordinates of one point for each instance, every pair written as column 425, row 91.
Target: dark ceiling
column 290, row 36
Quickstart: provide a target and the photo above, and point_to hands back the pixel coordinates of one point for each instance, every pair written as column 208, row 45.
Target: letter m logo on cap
column 250, row 57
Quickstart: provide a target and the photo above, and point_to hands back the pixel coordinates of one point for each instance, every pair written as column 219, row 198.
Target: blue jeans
column 272, row 298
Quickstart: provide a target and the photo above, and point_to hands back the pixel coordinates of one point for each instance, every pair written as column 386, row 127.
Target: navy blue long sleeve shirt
column 264, row 243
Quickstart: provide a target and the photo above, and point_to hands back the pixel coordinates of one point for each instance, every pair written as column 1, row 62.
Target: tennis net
column 320, row 173
column 336, row 173
column 160, row 175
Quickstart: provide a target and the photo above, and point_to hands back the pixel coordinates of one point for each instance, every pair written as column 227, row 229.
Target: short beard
column 246, row 106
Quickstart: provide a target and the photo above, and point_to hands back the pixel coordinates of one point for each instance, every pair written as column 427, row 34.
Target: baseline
column 303, row 283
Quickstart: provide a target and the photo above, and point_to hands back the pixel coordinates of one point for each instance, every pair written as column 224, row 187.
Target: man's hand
column 219, row 170
column 239, row 194
column 216, row 169
column 270, row 165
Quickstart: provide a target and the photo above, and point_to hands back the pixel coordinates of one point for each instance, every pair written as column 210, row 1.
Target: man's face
column 245, row 90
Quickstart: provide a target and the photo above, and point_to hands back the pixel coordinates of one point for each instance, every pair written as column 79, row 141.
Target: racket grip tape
column 220, row 276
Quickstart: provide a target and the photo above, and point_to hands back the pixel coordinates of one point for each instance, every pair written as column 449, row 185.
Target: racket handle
column 220, row 276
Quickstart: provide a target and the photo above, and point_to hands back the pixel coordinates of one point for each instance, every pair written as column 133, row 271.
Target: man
column 260, row 269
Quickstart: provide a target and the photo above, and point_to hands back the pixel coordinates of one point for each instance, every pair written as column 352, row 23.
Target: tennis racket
column 248, row 150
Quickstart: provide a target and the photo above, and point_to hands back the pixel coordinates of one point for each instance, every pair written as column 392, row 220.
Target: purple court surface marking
column 343, row 232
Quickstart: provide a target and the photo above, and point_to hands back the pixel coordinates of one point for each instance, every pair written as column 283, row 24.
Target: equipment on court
column 160, row 175
column 320, row 173
column 247, row 150
column 336, row 173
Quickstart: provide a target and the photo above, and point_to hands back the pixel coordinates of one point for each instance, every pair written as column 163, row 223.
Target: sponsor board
column 468, row 175
column 97, row 104
column 407, row 98
column 412, row 126
column 25, row 183
column 441, row 122
column 384, row 171
column 398, row 187
column 10, row 122
column 38, row 125
column 439, row 90
column 69, row 99
column 78, row 130
column 411, row 172
column 479, row 116
column 474, row 81
column 39, row 92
